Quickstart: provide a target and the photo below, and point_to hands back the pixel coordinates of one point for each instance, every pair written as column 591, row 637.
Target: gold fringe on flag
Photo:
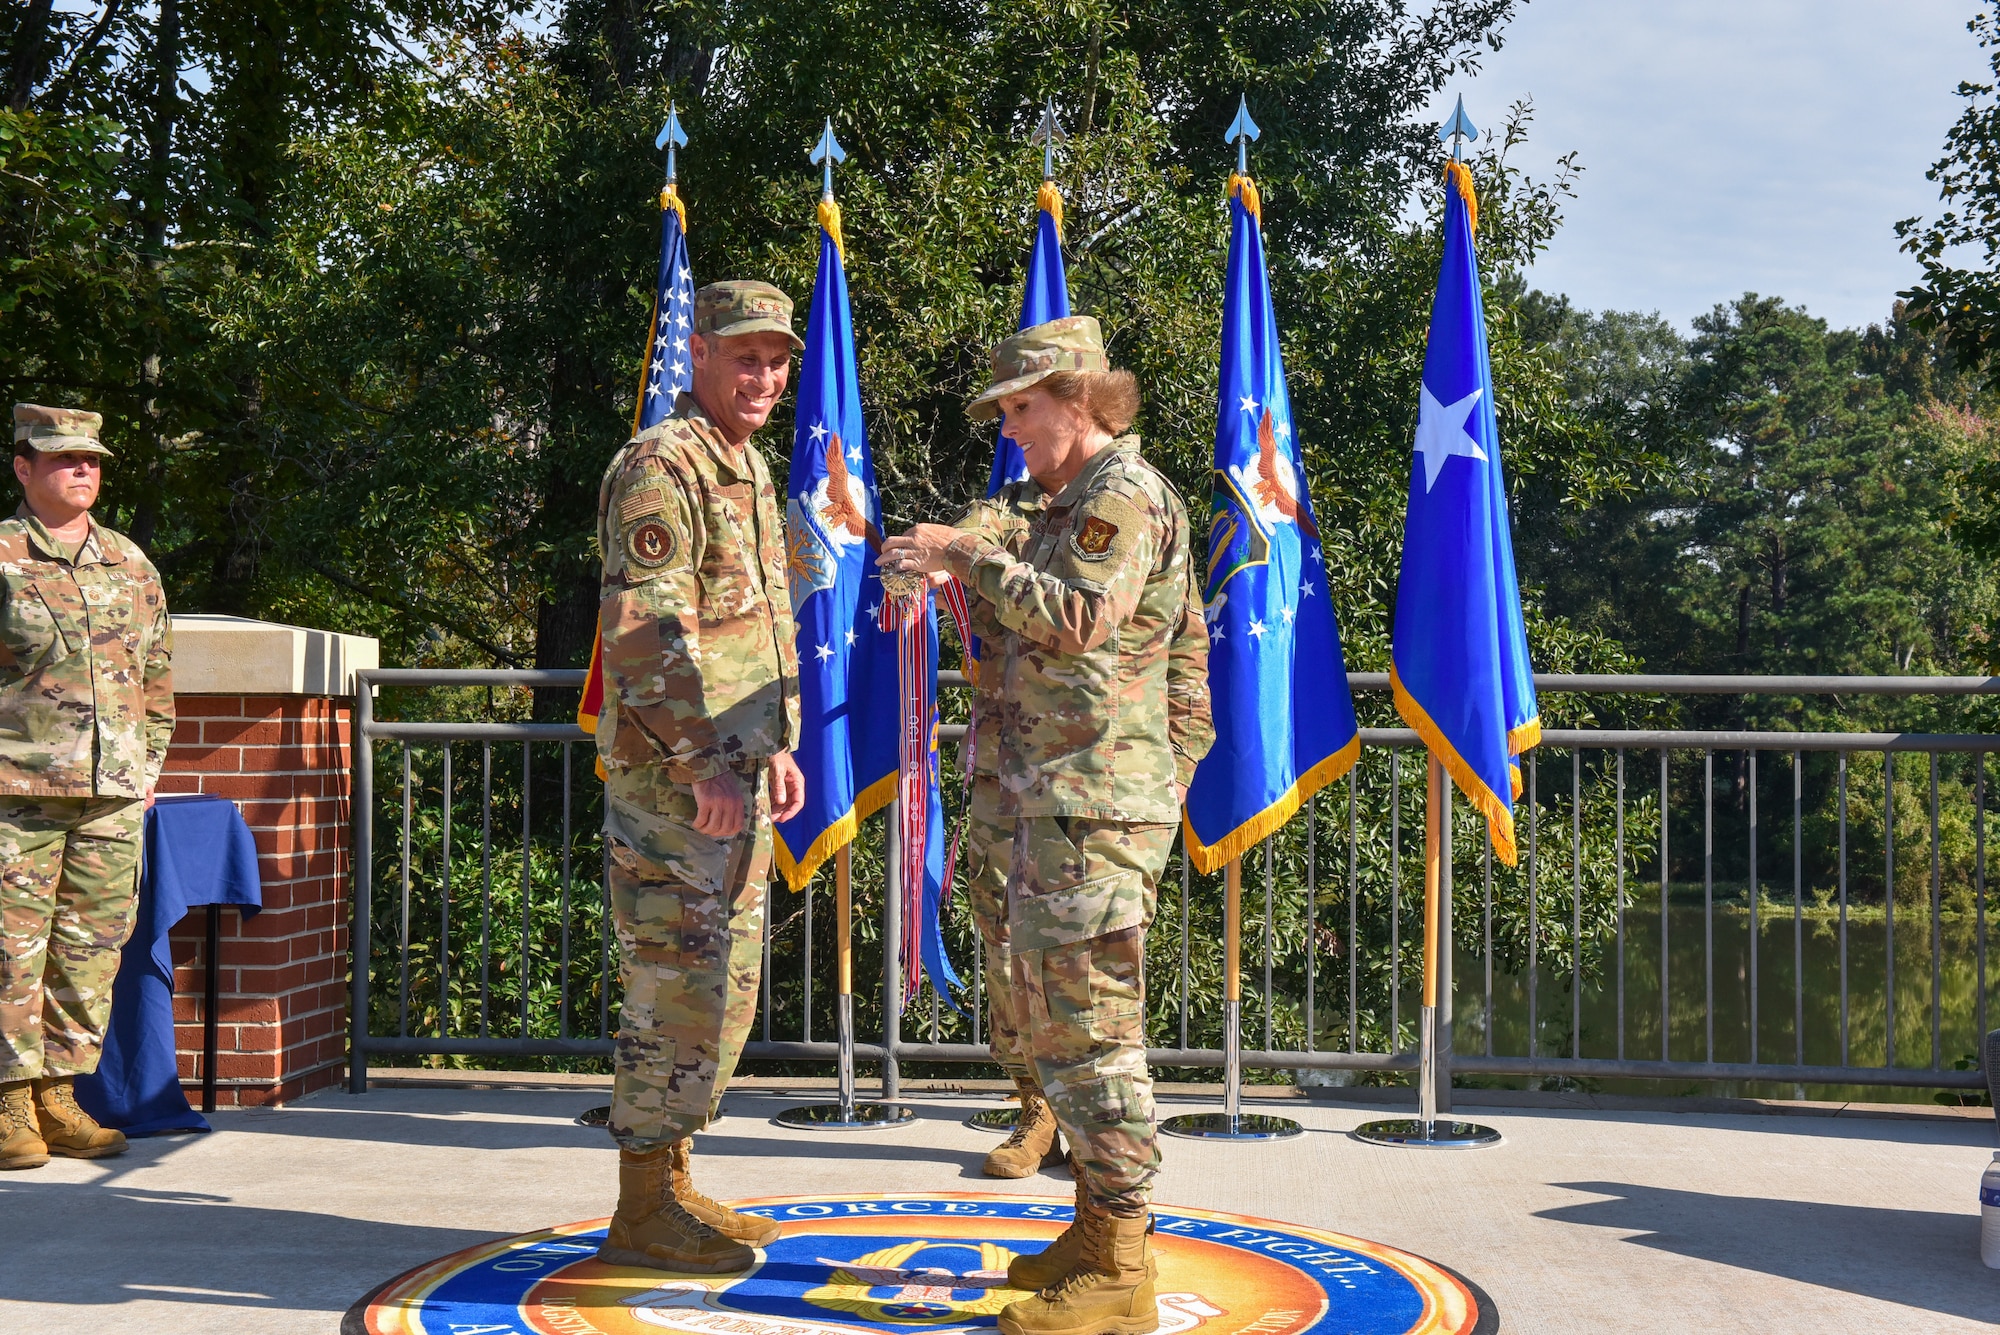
column 1212, row 857
column 1499, row 820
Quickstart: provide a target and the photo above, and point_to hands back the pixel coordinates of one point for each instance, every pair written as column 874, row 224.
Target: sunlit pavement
column 1584, row 1220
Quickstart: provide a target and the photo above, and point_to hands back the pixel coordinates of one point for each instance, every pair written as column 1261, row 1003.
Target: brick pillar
column 284, row 759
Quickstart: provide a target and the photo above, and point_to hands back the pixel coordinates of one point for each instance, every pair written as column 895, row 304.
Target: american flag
column 669, row 367
column 669, row 371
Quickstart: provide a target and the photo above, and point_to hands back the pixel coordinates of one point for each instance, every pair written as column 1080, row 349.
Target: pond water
column 1798, row 972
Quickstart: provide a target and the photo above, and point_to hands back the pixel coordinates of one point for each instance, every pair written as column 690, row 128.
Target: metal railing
column 502, row 947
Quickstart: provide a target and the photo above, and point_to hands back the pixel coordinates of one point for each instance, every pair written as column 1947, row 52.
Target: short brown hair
column 1110, row 397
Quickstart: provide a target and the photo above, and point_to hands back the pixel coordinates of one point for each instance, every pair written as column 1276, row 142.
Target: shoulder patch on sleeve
column 1107, row 530
column 650, row 544
column 1093, row 540
column 649, row 499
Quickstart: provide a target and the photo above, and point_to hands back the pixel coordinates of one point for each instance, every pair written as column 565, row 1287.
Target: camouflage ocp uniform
column 86, row 712
column 1092, row 704
column 1009, row 519
column 701, row 678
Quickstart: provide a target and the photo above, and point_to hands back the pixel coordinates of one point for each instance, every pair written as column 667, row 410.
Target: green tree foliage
column 1812, row 512
column 360, row 287
column 392, row 258
column 1955, row 299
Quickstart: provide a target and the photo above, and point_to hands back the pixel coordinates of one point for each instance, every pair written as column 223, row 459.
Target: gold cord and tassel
column 1459, row 175
column 829, row 221
column 1240, row 184
column 1049, row 200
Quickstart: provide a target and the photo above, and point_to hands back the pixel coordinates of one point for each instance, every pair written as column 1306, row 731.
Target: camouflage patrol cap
column 58, row 430
column 1073, row 343
column 724, row 310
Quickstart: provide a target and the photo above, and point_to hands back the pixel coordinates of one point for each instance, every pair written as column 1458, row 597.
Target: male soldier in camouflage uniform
column 1096, row 652
column 86, row 712
column 700, row 712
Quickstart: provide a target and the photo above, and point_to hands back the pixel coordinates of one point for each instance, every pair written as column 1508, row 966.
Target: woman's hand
column 921, row 550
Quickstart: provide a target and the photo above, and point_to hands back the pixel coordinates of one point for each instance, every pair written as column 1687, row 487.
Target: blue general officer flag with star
column 1277, row 682
column 847, row 671
column 669, row 368
column 1459, row 651
column 1046, row 299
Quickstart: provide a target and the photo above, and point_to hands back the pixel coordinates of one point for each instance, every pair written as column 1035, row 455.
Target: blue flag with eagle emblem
column 847, row 671
column 1459, row 650
column 849, row 690
column 1277, row 682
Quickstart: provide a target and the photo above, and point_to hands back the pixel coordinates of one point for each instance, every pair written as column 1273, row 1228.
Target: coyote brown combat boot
column 1036, row 1272
column 654, row 1230
column 1110, row 1292
column 21, row 1143
column 749, row 1228
column 1035, row 1141
column 68, row 1129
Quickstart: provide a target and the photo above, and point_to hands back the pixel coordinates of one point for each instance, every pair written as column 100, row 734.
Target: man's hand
column 1180, row 795
column 718, row 805
column 921, row 549
column 788, row 787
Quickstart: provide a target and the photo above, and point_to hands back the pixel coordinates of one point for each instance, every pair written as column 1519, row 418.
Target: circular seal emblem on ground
column 872, row 1264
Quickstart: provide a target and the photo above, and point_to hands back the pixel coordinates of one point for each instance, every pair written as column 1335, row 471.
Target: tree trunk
column 30, row 58
column 1743, row 628
column 159, row 153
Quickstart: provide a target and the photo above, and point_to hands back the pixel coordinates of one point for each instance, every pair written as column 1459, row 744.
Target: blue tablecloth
column 197, row 851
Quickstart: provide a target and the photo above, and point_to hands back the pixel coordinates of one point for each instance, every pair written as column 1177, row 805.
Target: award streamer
column 906, row 598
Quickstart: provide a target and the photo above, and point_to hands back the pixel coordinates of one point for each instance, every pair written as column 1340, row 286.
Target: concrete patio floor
column 1585, row 1220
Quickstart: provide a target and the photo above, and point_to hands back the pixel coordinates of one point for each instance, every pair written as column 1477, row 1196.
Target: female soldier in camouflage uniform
column 86, row 712
column 1094, row 703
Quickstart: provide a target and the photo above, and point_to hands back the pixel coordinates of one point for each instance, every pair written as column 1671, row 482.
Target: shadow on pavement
column 1918, row 1258
column 119, row 1244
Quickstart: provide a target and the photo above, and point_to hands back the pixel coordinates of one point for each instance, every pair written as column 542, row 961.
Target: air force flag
column 1284, row 721
column 847, row 668
column 1459, row 651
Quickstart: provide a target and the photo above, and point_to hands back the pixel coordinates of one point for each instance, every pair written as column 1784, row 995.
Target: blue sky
column 1733, row 145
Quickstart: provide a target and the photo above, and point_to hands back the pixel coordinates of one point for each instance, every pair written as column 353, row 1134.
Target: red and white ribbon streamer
column 907, row 615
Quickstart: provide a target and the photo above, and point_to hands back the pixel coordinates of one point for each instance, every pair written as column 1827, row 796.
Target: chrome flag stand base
column 998, row 1120
column 846, row 1115
column 1231, row 1126
column 1434, row 1135
column 1230, row 1123
column 1425, row 1131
